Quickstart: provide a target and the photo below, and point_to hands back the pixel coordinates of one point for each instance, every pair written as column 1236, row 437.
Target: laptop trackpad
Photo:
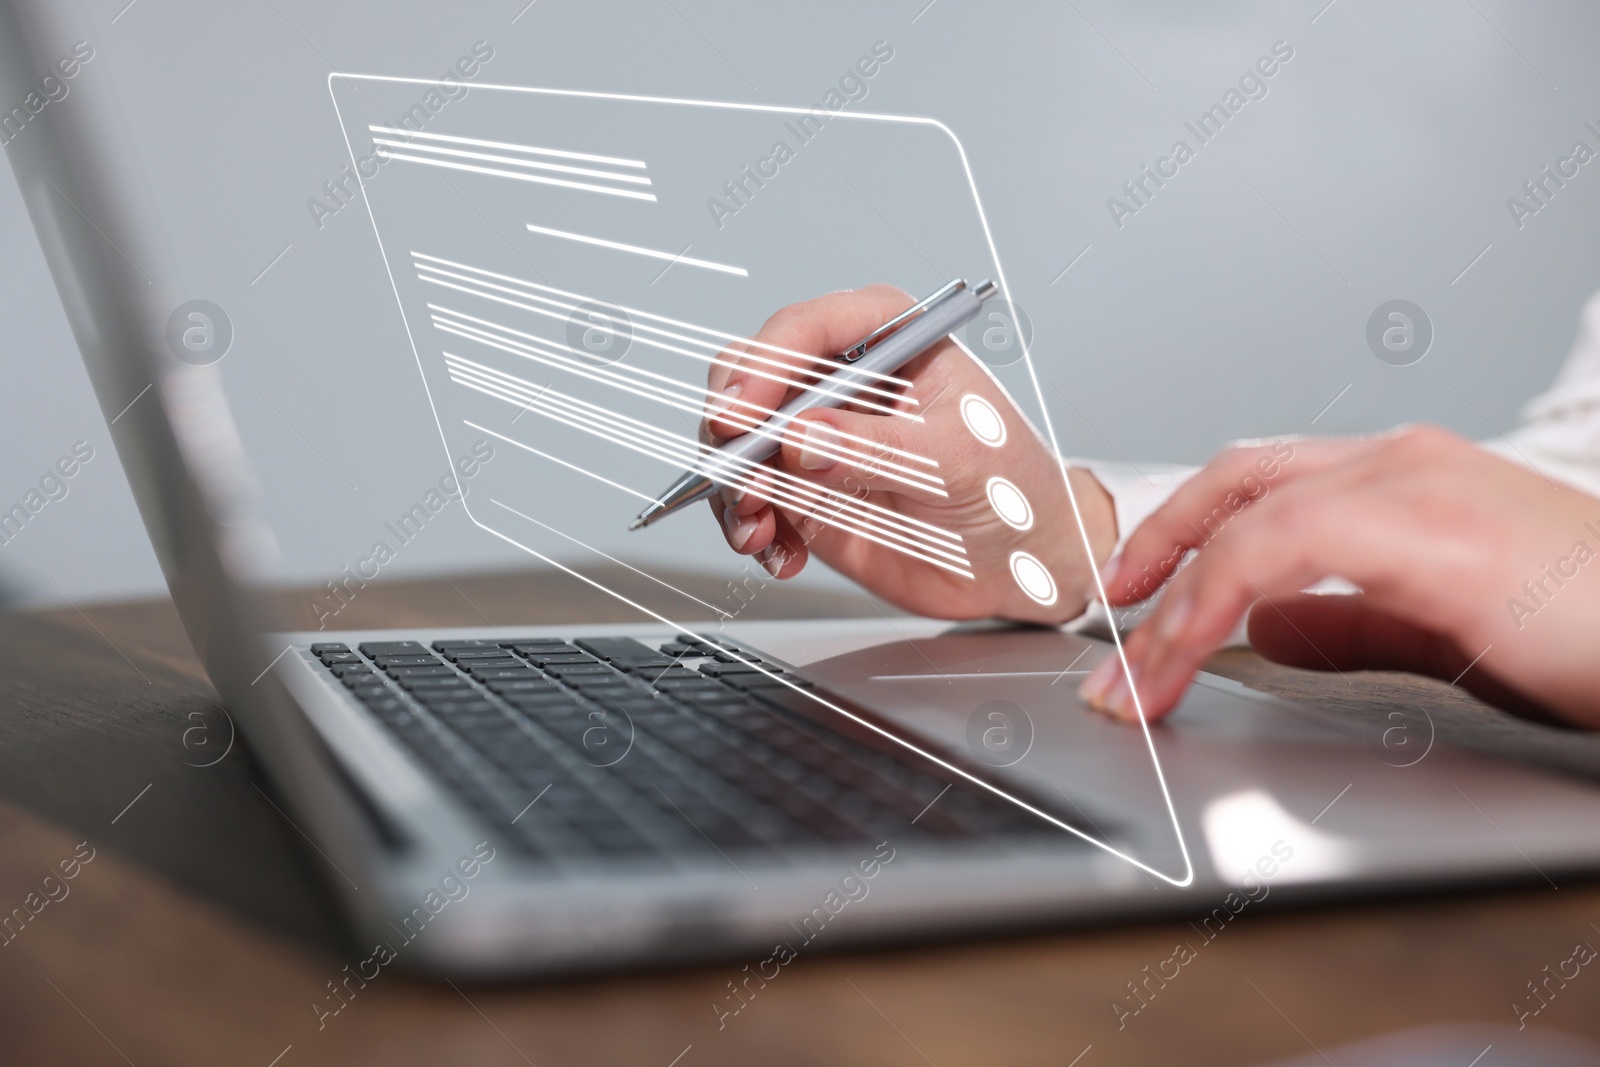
column 1006, row 701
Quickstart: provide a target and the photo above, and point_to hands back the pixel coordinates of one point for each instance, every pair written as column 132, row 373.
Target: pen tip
column 637, row 523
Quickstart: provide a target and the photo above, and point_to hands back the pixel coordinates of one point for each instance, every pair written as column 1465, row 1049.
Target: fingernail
column 731, row 495
column 773, row 558
column 739, row 529
column 725, row 398
column 1120, row 704
column 818, row 436
column 1113, row 700
column 1173, row 618
column 1094, row 687
column 1108, row 573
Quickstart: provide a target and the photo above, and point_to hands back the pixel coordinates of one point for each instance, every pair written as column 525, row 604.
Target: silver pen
column 882, row 352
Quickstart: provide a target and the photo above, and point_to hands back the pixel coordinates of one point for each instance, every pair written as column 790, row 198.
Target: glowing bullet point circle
column 1033, row 579
column 1009, row 503
column 983, row 420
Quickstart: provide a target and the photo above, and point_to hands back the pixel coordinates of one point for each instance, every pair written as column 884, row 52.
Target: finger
column 1349, row 633
column 1304, row 532
column 758, row 487
column 1208, row 502
column 785, row 556
column 795, row 347
column 746, row 534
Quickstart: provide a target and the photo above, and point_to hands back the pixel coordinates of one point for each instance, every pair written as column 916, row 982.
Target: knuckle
column 1281, row 519
column 791, row 325
column 1234, row 452
column 1408, row 439
column 1421, row 440
column 1240, row 455
column 893, row 295
column 786, row 316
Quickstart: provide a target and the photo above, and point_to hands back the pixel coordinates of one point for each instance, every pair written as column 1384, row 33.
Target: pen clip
column 859, row 349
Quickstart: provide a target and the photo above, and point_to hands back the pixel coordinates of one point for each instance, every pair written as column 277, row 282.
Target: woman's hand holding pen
column 846, row 479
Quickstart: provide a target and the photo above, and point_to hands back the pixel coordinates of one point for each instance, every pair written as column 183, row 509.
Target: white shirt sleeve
column 1560, row 431
column 1136, row 490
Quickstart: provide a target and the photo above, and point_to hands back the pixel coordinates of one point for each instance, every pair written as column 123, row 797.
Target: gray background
column 1234, row 304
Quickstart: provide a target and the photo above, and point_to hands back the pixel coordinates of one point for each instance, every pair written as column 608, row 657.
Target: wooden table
column 202, row 930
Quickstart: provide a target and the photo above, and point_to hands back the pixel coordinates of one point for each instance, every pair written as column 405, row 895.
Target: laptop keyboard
column 608, row 747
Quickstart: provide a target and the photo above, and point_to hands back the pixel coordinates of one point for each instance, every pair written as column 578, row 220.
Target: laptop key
column 527, row 682
column 418, row 685
column 553, row 703
column 585, row 666
column 698, row 694
column 479, row 655
column 615, row 648
column 407, row 661
column 319, row 647
column 633, row 701
column 425, row 689
column 365, row 681
column 600, row 681
column 690, row 682
column 503, row 674
column 392, row 648
column 342, row 669
column 645, row 667
column 740, row 658
column 525, row 701
column 554, row 659
column 440, row 671
column 728, row 667
column 452, row 709
column 762, row 684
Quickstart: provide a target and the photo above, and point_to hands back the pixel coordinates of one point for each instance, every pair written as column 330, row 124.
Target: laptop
column 491, row 802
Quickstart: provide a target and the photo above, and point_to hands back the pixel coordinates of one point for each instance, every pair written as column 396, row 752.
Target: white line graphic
column 691, row 400
column 689, row 261
column 406, row 157
column 884, row 527
column 723, row 339
column 532, row 164
column 537, row 395
column 556, row 459
column 555, row 153
column 877, row 524
column 704, row 357
column 613, row 559
column 714, row 353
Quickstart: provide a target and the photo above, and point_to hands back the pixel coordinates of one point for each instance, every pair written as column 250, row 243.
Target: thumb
column 1346, row 633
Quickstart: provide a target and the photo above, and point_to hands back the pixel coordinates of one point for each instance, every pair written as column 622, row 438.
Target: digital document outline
column 1188, row 876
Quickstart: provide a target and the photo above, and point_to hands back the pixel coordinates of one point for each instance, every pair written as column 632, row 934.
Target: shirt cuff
column 1136, row 490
